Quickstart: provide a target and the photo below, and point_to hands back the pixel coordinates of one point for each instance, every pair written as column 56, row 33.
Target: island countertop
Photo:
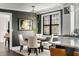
column 67, row 41
column 76, row 36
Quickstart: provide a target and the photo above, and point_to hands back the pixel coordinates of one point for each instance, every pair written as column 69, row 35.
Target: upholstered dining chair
column 47, row 44
column 39, row 35
column 33, row 45
column 22, row 41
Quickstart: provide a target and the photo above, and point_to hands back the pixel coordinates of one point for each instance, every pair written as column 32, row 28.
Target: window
column 55, row 24
column 52, row 23
column 46, row 25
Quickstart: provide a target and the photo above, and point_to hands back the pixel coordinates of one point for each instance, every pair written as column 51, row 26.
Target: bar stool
column 76, row 53
column 57, row 52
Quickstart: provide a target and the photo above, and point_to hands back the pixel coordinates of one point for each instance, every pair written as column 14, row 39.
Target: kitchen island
column 68, row 42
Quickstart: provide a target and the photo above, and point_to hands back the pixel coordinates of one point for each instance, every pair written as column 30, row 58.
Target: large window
column 55, row 23
column 52, row 23
column 46, row 25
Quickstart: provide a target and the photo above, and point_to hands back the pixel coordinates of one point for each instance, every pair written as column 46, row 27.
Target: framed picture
column 25, row 24
column 66, row 10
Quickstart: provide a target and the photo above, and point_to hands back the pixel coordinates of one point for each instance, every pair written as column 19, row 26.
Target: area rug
column 25, row 53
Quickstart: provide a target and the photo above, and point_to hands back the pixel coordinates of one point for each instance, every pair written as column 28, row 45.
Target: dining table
column 42, row 39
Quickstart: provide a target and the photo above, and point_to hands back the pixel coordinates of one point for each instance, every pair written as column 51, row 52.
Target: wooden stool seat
column 76, row 53
column 57, row 52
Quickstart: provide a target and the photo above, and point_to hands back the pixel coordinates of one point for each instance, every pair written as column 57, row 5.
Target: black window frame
column 50, row 26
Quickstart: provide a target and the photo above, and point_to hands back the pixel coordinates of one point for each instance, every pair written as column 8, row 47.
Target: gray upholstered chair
column 33, row 44
column 47, row 44
column 22, row 41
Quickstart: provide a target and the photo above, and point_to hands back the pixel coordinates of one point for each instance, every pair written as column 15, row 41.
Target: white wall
column 77, row 15
column 3, row 25
column 68, row 21
column 66, row 24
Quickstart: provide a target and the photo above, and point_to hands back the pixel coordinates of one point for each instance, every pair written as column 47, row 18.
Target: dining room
column 39, row 29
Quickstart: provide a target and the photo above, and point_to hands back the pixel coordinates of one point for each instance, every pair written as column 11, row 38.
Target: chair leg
column 29, row 51
column 49, row 47
column 39, row 49
column 8, row 43
column 42, row 48
column 36, row 51
column 5, row 42
column 21, row 48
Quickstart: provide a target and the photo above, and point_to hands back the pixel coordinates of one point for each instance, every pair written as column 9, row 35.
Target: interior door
column 3, row 26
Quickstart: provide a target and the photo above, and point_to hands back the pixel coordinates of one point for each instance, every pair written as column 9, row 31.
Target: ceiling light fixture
column 34, row 14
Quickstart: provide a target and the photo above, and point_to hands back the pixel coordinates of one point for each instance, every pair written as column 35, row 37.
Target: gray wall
column 15, row 16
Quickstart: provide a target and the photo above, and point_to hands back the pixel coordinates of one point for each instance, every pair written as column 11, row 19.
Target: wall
column 15, row 16
column 66, row 24
column 77, row 16
column 67, row 19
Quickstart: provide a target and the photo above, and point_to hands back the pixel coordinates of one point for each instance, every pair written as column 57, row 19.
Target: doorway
column 5, row 23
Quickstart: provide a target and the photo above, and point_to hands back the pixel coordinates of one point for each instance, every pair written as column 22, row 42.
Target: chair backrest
column 32, row 42
column 51, row 39
column 20, row 38
column 57, row 52
column 39, row 35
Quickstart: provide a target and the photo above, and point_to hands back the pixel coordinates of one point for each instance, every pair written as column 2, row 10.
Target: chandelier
column 33, row 13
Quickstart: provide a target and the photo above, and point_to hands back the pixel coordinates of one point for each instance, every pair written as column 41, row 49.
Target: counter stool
column 57, row 52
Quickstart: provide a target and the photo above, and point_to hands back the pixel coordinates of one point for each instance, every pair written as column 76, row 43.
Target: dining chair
column 57, row 52
column 48, row 43
column 22, row 41
column 51, row 39
column 39, row 35
column 33, row 45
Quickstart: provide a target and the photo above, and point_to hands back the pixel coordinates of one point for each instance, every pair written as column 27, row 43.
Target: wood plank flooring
column 6, row 52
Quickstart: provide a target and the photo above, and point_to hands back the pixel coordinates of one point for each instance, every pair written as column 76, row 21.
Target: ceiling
column 27, row 7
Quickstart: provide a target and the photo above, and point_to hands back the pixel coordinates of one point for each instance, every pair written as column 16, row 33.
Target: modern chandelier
column 34, row 14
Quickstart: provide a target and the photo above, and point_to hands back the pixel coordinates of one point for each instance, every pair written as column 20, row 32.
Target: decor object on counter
column 76, row 31
column 67, row 10
column 25, row 24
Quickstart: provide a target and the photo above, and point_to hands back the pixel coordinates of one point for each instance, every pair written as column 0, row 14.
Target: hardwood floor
column 6, row 52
